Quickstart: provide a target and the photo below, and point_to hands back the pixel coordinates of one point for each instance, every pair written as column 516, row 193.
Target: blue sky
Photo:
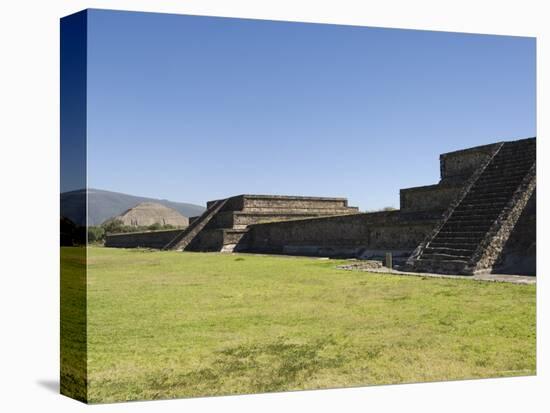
column 194, row 108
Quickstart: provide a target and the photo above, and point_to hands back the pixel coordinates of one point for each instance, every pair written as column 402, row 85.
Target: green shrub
column 96, row 234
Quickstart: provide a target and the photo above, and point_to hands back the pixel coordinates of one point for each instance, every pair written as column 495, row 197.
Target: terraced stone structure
column 477, row 226
column 225, row 224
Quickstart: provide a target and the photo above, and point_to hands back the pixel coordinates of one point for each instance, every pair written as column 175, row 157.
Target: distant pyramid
column 103, row 205
column 149, row 213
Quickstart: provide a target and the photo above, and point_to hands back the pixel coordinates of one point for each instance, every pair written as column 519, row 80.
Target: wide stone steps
column 181, row 241
column 453, row 246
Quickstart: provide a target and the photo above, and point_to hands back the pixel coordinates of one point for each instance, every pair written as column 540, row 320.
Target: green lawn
column 172, row 324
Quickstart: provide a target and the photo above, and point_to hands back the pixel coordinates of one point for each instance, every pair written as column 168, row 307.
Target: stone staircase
column 183, row 239
column 227, row 231
column 477, row 225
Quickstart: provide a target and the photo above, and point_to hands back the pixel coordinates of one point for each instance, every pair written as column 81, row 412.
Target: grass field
column 172, row 324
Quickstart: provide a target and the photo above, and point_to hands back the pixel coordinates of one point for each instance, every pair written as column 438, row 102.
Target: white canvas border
column 29, row 162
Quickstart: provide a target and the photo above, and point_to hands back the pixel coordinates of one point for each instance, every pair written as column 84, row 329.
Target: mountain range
column 103, row 205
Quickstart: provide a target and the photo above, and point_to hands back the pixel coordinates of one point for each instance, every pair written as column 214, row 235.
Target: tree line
column 97, row 234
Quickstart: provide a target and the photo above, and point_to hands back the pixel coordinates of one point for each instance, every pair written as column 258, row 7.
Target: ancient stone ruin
column 478, row 224
column 480, row 217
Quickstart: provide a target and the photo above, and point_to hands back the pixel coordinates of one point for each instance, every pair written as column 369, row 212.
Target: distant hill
column 106, row 204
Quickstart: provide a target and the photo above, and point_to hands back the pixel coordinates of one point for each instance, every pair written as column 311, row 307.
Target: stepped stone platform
column 227, row 229
column 476, row 227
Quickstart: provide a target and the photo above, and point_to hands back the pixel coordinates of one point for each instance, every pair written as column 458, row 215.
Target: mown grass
column 171, row 324
column 73, row 372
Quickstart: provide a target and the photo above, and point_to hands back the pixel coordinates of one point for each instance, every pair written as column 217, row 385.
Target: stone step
column 501, row 178
column 509, row 160
column 480, row 205
column 467, row 209
column 466, row 228
column 470, row 246
column 469, row 219
column 472, row 235
column 495, row 199
column 496, row 184
column 485, row 208
column 449, row 250
column 181, row 241
column 506, row 171
column 444, row 257
column 507, row 191
column 513, row 152
column 498, row 181
column 488, row 194
column 454, row 266
column 509, row 166
column 529, row 156
column 475, row 216
column 466, row 221
column 524, row 144
column 492, row 190
column 498, row 202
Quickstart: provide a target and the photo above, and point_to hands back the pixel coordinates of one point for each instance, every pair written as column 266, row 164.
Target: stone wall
column 457, row 166
column 366, row 235
column 150, row 239
column 428, row 198
column 519, row 255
